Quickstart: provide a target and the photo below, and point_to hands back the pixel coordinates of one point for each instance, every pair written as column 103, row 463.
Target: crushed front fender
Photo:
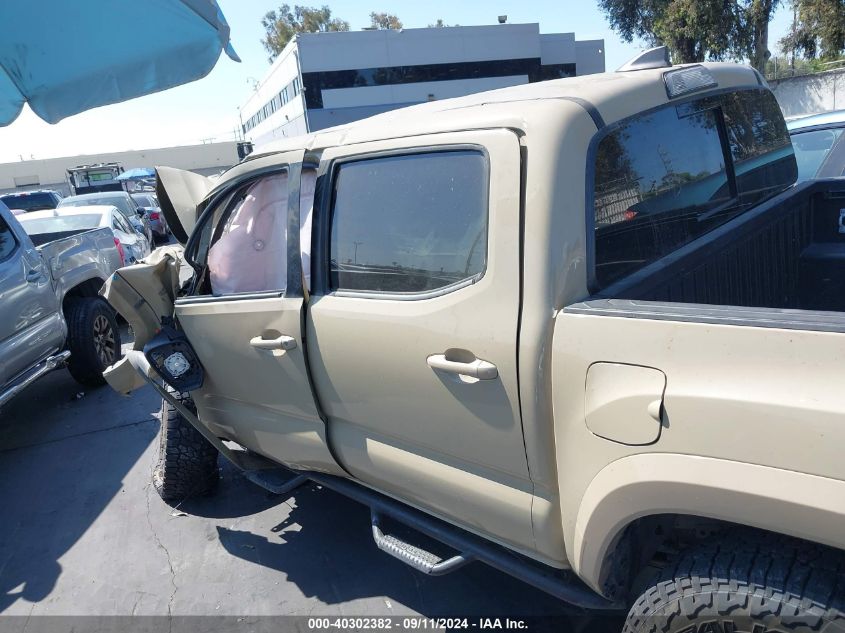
column 143, row 294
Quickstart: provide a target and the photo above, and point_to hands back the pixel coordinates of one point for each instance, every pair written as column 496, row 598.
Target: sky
column 207, row 109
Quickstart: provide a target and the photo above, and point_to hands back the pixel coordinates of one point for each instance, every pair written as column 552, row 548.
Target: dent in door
column 624, row 403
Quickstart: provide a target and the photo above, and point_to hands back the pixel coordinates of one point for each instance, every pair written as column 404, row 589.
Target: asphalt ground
column 83, row 533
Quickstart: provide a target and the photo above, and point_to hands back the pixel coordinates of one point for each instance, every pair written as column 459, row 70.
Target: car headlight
column 173, row 358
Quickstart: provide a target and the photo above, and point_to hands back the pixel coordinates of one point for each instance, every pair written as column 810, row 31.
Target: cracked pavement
column 83, row 532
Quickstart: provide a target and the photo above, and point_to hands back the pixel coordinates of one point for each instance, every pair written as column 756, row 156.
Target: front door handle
column 283, row 342
column 479, row 369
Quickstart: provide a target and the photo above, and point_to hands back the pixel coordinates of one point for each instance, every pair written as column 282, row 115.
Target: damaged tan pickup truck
column 586, row 331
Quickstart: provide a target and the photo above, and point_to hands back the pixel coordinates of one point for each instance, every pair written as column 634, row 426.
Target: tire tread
column 776, row 582
column 187, row 463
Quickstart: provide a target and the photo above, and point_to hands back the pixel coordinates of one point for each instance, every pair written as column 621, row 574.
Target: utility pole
column 357, row 244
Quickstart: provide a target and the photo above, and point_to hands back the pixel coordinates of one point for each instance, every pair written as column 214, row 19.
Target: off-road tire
column 187, row 463
column 746, row 582
column 93, row 339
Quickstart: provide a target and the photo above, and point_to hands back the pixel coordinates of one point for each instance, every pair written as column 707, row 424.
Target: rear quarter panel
column 753, row 425
column 73, row 260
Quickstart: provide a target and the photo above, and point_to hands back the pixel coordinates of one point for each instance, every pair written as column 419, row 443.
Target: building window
column 316, row 82
column 410, row 223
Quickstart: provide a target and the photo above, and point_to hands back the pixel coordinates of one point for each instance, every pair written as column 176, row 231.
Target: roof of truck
column 606, row 97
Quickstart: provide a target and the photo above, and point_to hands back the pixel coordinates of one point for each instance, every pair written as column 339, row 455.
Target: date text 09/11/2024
column 416, row 623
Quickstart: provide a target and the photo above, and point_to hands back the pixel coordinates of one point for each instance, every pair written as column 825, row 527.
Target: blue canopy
column 138, row 173
column 65, row 57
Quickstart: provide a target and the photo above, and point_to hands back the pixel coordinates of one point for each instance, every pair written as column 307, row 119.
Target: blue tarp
column 65, row 57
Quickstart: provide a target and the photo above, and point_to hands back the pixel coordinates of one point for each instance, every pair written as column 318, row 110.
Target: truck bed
column 787, row 253
column 40, row 239
column 75, row 256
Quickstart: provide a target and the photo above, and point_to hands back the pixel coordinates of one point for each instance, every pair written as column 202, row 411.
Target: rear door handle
column 479, row 369
column 33, row 274
column 283, row 342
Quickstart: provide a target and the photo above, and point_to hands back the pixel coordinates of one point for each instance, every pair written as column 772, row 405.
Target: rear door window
column 666, row 177
column 410, row 223
column 122, row 224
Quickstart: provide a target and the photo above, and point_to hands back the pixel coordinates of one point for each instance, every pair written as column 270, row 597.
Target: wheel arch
column 85, row 288
column 630, row 489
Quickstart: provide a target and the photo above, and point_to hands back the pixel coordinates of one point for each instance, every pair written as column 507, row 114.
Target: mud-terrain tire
column 93, row 339
column 187, row 463
column 746, row 582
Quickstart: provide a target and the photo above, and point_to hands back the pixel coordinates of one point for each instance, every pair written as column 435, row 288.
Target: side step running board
column 418, row 558
column 44, row 367
column 564, row 585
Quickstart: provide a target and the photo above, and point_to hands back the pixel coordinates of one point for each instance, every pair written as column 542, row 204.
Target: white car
column 65, row 221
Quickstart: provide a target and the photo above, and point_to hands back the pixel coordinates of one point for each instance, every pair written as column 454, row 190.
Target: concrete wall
column 50, row 173
column 411, row 47
column 589, row 57
column 810, row 94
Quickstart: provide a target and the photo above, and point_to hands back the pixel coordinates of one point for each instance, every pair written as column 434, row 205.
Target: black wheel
column 187, row 463
column 747, row 582
column 93, row 339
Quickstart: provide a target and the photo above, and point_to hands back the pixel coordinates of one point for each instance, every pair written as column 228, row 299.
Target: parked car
column 124, row 203
column 819, row 145
column 149, row 203
column 131, row 245
column 31, row 200
column 468, row 331
column 50, row 313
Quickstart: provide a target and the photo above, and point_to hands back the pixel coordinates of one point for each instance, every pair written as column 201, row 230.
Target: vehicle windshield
column 29, row 201
column 144, row 200
column 819, row 153
column 59, row 224
column 121, row 202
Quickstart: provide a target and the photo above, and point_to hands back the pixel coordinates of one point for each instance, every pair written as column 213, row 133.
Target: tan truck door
column 247, row 329
column 412, row 324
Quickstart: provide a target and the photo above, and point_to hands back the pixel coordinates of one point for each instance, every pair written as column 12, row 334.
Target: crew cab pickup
column 587, row 331
column 50, row 312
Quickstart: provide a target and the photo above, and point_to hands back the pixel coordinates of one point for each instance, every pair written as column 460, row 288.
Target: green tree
column 440, row 24
column 280, row 26
column 755, row 28
column 384, row 21
column 818, row 29
column 696, row 30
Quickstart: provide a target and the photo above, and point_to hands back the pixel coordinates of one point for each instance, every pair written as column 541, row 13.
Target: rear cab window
column 410, row 223
column 666, row 177
column 30, row 201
